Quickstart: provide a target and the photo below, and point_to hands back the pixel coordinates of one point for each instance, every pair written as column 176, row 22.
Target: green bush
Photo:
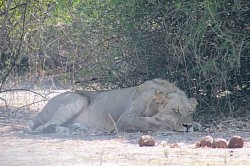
column 202, row 46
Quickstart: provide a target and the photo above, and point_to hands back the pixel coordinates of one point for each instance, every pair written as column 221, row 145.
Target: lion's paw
column 78, row 127
column 196, row 126
column 61, row 130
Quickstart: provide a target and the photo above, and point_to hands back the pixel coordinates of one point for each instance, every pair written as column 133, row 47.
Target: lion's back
column 106, row 107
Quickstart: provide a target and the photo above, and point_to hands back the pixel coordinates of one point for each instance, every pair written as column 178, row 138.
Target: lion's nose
column 188, row 126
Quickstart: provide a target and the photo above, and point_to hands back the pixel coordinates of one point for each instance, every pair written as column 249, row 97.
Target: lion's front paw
column 78, row 127
column 61, row 130
column 196, row 126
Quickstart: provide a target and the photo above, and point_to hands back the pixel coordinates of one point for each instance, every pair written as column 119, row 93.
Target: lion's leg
column 34, row 124
column 133, row 119
column 135, row 123
column 67, row 111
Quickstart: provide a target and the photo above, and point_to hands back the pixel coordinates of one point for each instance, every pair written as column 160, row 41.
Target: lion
column 155, row 105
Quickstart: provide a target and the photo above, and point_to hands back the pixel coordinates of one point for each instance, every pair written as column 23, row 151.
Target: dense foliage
column 203, row 46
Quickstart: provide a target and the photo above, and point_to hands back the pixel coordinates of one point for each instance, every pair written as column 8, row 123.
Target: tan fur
column 152, row 106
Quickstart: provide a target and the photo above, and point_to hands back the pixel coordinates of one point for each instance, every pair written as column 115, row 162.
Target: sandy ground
column 18, row 148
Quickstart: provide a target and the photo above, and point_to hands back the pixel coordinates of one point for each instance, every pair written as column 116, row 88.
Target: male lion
column 152, row 106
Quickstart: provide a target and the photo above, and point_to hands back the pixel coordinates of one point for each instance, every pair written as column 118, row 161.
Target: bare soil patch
column 18, row 148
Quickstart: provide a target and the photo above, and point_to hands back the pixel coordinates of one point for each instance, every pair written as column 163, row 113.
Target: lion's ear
column 193, row 102
column 160, row 97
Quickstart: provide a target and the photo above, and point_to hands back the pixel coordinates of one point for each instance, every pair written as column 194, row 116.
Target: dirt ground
column 18, row 148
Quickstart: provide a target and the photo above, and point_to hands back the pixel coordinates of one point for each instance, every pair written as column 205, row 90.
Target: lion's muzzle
column 187, row 126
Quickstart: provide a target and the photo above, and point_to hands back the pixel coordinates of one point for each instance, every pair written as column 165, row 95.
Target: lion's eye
column 191, row 111
column 177, row 110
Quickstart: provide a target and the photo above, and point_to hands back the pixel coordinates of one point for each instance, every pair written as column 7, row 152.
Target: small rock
column 175, row 145
column 146, row 140
column 198, row 145
column 205, row 142
column 219, row 143
column 236, row 142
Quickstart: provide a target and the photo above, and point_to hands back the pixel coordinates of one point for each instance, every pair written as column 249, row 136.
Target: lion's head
column 174, row 110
